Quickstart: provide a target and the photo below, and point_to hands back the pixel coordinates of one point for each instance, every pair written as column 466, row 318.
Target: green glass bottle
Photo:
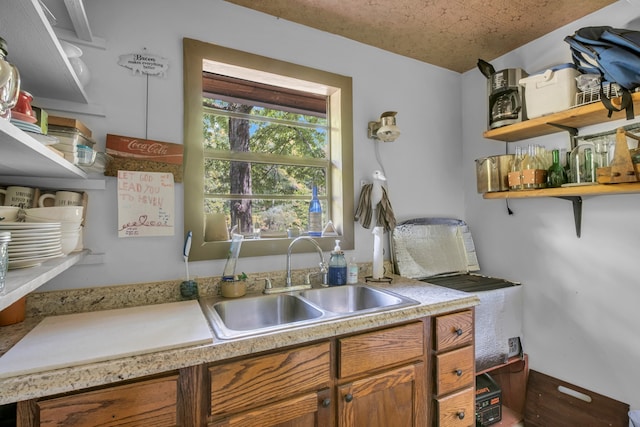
column 556, row 175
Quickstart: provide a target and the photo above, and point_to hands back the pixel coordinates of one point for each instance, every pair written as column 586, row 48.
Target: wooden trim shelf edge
column 577, row 117
column 573, row 194
column 576, row 191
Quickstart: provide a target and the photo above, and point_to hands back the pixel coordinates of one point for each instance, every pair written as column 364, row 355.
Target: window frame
column 340, row 194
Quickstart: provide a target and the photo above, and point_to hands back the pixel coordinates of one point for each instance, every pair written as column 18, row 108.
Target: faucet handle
column 267, row 283
column 323, row 267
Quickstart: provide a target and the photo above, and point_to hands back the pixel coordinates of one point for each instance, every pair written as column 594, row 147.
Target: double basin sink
column 268, row 313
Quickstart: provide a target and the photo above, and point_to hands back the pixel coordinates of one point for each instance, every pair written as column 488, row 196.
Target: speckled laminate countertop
column 433, row 300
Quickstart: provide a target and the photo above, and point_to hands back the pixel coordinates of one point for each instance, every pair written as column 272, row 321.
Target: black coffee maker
column 506, row 95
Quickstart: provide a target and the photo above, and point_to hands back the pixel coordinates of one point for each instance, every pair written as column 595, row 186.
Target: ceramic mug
column 18, row 196
column 61, row 198
column 23, row 105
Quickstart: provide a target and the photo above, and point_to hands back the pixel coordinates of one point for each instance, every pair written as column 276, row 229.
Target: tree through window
column 258, row 134
column 265, row 148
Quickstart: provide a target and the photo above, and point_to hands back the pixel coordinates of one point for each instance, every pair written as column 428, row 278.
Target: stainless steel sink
column 268, row 313
column 248, row 316
column 357, row 298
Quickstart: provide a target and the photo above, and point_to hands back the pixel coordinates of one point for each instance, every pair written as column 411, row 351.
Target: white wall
column 427, row 100
column 580, row 295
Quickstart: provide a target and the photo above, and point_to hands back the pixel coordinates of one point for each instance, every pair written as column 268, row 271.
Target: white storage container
column 551, row 90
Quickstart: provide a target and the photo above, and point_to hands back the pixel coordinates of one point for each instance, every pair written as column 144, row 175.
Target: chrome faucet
column 323, row 264
column 288, row 287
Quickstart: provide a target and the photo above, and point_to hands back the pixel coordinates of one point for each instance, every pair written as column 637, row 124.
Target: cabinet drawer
column 375, row 350
column 457, row 410
column 251, row 382
column 453, row 330
column 454, row 370
column 145, row 403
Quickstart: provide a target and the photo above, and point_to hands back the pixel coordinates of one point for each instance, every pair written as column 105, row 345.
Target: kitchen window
column 258, row 133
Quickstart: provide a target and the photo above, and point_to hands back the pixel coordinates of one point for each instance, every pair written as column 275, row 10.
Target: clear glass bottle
column 315, row 214
column 528, row 167
column 556, row 175
column 515, row 171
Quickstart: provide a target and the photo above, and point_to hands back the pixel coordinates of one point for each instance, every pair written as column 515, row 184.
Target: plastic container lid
column 554, row 68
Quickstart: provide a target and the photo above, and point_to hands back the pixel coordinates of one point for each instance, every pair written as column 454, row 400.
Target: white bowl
column 9, row 213
column 81, row 69
column 70, row 241
column 70, row 50
column 54, row 213
column 69, row 244
column 64, row 225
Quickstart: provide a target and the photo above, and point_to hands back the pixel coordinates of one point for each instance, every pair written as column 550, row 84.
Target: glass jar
column 5, row 238
column 582, row 164
column 9, row 83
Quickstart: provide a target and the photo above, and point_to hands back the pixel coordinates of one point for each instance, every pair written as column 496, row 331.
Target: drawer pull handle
column 348, row 397
column 460, row 415
column 458, row 331
column 326, row 403
column 458, row 372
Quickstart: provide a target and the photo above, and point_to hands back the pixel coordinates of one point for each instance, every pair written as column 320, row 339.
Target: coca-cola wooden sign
column 144, row 155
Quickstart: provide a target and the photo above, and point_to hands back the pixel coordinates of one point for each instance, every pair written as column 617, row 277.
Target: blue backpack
column 612, row 53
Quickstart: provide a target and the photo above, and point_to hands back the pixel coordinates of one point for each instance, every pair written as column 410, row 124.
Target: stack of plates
column 34, row 131
column 32, row 244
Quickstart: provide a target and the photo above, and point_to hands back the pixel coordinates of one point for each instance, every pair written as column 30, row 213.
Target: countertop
column 433, row 300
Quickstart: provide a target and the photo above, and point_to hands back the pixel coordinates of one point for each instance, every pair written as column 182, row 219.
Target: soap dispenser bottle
column 337, row 267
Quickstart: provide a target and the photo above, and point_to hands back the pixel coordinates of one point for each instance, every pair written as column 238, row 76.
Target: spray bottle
column 337, row 267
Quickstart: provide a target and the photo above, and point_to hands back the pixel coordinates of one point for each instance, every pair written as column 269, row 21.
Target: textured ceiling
column 451, row 34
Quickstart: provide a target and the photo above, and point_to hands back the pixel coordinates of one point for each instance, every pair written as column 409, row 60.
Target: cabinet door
column 151, row 403
column 394, row 398
column 257, row 381
column 309, row 410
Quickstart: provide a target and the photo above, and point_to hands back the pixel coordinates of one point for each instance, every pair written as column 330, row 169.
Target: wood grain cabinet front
column 389, row 378
column 392, row 376
column 454, row 370
column 147, row 403
column 287, row 388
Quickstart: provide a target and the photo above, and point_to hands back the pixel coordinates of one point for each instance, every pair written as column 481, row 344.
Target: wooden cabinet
column 152, row 403
column 396, row 395
column 374, row 378
column 380, row 380
column 454, row 370
column 288, row 388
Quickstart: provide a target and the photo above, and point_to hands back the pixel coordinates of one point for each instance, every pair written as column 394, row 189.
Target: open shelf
column 22, row 155
column 21, row 281
column 576, row 191
column 34, row 48
column 577, row 117
column 573, row 194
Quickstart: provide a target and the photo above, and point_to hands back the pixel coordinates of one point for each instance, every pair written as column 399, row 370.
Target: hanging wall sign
column 145, row 63
column 145, row 204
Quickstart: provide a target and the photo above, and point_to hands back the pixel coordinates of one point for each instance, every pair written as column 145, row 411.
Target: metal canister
column 5, row 238
column 492, row 173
